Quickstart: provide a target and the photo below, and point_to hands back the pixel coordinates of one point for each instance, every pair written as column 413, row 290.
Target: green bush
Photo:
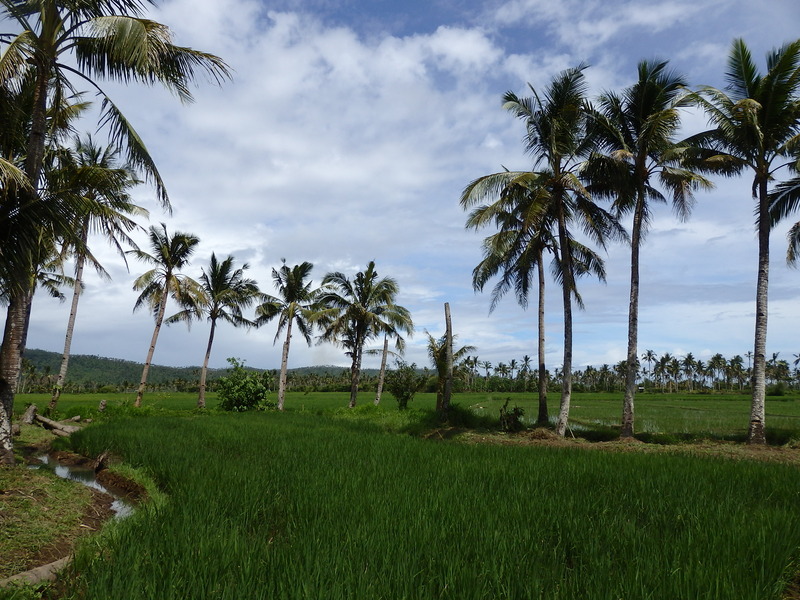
column 403, row 382
column 242, row 390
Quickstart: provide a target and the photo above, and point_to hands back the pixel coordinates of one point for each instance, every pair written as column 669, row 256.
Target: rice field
column 305, row 504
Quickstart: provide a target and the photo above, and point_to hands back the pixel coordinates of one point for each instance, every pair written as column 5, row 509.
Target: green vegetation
column 297, row 505
column 37, row 510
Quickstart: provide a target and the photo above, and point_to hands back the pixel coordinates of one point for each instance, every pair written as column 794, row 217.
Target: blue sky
column 350, row 129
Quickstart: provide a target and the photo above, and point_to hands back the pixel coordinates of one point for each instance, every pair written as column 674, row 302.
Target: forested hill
column 84, row 368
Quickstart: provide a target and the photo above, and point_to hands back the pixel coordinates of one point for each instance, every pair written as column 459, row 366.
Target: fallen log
column 30, row 415
column 57, row 428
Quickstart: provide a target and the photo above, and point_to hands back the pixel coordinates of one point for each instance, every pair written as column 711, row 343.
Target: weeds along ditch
column 269, row 505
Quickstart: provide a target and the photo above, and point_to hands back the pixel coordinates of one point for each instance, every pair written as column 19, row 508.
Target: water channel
column 86, row 476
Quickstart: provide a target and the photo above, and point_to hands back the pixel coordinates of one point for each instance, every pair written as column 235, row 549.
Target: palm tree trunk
column 355, row 374
column 201, row 396
column 10, row 367
column 383, row 370
column 756, row 433
column 37, row 136
column 633, row 323
column 284, row 366
column 542, row 418
column 448, row 340
column 159, row 320
column 568, row 286
column 73, row 312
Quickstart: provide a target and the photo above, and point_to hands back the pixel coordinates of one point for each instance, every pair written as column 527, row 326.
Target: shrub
column 241, row 389
column 403, row 382
column 511, row 420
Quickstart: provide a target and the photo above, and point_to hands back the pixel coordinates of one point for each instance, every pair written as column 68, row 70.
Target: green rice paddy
column 319, row 502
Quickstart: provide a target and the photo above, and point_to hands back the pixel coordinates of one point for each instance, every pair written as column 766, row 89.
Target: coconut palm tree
column 170, row 254
column 53, row 45
column 637, row 130
column 756, row 123
column 223, row 292
column 359, row 310
column 437, row 352
column 96, row 175
column 296, row 304
column 559, row 141
column 56, row 41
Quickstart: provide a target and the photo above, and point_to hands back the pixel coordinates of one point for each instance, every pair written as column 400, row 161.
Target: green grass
column 307, row 505
column 659, row 417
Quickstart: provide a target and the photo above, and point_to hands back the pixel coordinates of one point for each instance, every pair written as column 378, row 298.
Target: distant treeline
column 90, row 373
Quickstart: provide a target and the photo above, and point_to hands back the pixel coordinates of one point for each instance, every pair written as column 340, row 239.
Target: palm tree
column 296, row 305
column 558, row 139
column 437, row 352
column 649, row 357
column 89, row 40
column 224, row 291
column 169, row 255
column 359, row 310
column 637, row 130
column 95, row 174
column 756, row 124
column 93, row 40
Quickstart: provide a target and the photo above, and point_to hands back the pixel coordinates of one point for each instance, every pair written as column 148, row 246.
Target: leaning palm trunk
column 568, row 286
column 284, row 365
column 201, row 397
column 542, row 418
column 10, row 366
column 159, row 320
column 756, row 431
column 633, row 323
column 73, row 312
column 382, row 374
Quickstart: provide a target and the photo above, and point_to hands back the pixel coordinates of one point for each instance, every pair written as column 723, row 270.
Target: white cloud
column 338, row 148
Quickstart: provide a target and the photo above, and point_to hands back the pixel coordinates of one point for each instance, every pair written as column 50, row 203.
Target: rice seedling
column 299, row 505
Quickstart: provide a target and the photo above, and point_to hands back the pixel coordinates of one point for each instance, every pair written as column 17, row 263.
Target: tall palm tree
column 637, row 130
column 755, row 127
column 95, row 174
column 223, row 292
column 296, row 303
column 359, row 310
column 559, row 140
column 52, row 42
column 169, row 255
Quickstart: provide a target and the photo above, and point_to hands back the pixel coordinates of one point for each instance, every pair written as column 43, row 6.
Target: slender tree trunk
column 162, row 309
column 10, row 367
column 568, row 286
column 284, row 365
column 382, row 375
column 201, row 396
column 542, row 418
column 355, row 374
column 73, row 313
column 756, row 432
column 448, row 349
column 633, row 323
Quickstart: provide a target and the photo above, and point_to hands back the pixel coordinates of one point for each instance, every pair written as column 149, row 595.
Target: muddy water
column 86, row 476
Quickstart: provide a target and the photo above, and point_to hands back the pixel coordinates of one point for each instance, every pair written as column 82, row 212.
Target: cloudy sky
column 348, row 132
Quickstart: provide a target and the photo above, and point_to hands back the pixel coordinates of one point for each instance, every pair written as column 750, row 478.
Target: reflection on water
column 86, row 476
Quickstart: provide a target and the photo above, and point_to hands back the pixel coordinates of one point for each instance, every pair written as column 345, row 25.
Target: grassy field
column 659, row 417
column 308, row 505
